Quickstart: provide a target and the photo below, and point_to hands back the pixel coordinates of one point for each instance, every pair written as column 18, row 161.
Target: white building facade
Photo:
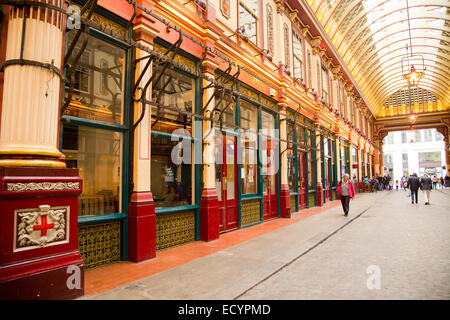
column 419, row 151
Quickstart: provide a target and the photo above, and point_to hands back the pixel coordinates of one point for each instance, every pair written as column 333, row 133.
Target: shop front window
column 171, row 142
column 269, row 151
column 249, row 145
column 171, row 180
column 97, row 81
column 177, row 98
column 97, row 153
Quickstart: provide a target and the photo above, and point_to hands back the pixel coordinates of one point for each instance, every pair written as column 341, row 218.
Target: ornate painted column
column 209, row 205
column 39, row 256
column 285, row 196
column 338, row 158
column 319, row 187
column 141, row 215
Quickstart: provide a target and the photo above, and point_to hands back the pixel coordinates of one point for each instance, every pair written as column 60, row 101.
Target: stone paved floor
column 408, row 243
column 325, row 256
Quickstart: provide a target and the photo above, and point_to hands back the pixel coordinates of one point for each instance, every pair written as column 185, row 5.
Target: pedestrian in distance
column 346, row 191
column 426, row 185
column 388, row 182
column 441, row 182
column 447, row 181
column 396, row 185
column 435, row 181
column 414, row 185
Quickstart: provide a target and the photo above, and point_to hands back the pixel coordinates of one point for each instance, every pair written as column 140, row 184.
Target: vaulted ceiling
column 372, row 38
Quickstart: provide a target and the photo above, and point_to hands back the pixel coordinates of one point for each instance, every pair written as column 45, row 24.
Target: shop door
column 269, row 181
column 226, row 184
column 302, row 180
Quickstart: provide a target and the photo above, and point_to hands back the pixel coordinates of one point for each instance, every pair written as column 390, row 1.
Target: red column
column 141, row 227
column 285, row 201
column 209, row 215
column 38, row 262
column 319, row 195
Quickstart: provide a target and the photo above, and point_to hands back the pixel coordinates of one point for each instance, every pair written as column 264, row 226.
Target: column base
column 39, row 233
column 53, row 278
column 141, row 227
column 285, row 202
column 319, row 196
column 209, row 215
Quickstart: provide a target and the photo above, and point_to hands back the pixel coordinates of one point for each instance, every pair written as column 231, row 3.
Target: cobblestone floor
column 407, row 243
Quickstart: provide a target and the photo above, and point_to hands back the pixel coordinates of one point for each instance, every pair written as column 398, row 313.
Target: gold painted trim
column 31, row 151
column 32, row 163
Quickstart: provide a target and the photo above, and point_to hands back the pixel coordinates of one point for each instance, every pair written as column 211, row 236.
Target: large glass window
column 178, row 95
column 96, row 93
column 309, row 67
column 287, row 46
column 248, row 18
column 249, row 146
column 324, row 81
column 171, row 180
column 97, row 82
column 269, row 151
column 97, row 153
column 292, row 177
column 298, row 56
column 171, row 142
column 270, row 40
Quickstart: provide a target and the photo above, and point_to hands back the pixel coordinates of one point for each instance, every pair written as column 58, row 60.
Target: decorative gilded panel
column 311, row 200
column 178, row 58
column 293, row 204
column 268, row 103
column 250, row 93
column 41, row 186
column 174, row 229
column 102, row 21
column 99, row 244
column 250, row 212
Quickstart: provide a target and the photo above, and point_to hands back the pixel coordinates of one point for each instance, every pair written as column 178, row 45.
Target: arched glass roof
column 372, row 36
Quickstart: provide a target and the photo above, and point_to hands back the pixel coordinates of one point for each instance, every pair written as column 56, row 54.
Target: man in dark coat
column 426, row 186
column 414, row 185
column 388, row 179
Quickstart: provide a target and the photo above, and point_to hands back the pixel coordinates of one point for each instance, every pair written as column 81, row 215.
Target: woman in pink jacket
column 346, row 191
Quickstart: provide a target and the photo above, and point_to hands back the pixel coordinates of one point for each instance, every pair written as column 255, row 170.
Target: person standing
column 446, row 181
column 435, row 181
column 426, row 186
column 396, row 185
column 413, row 185
column 346, row 191
column 388, row 182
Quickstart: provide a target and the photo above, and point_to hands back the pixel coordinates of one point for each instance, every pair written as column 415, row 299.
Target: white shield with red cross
column 40, row 227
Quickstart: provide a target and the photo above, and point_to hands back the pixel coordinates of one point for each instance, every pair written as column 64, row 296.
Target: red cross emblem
column 44, row 226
